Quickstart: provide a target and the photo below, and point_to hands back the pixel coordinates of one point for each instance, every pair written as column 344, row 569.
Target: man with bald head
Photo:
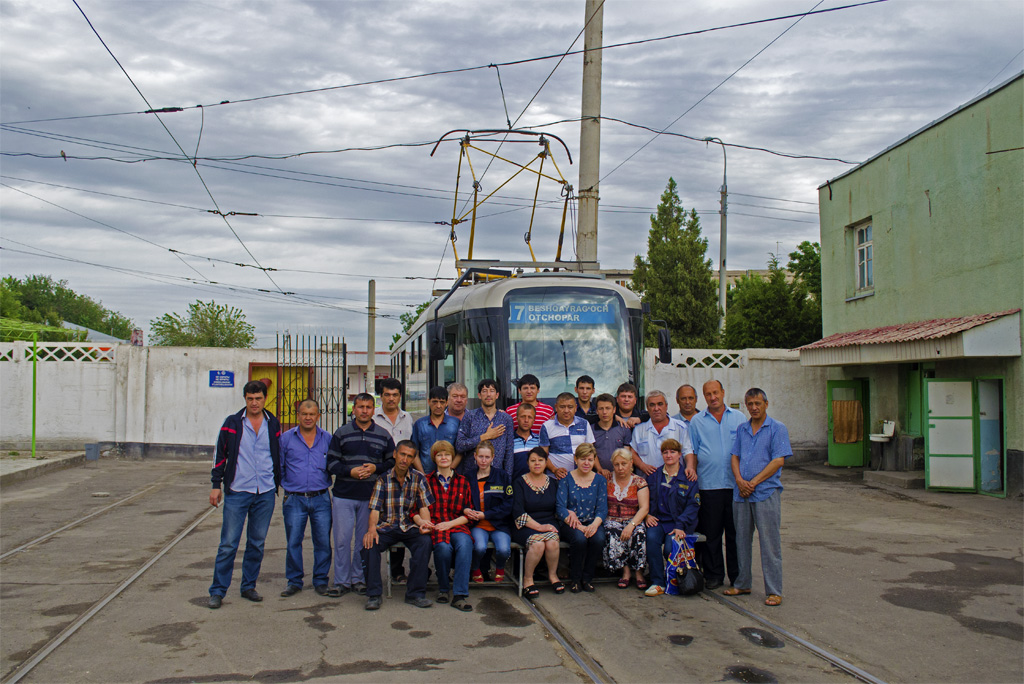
column 306, row 485
column 712, row 432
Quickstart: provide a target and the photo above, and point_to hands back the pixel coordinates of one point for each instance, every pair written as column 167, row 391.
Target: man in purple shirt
column 306, row 497
column 486, row 422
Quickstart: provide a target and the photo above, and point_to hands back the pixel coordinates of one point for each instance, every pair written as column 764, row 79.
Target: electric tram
column 496, row 324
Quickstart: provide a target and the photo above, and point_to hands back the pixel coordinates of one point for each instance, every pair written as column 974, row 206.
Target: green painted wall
column 948, row 222
column 947, row 213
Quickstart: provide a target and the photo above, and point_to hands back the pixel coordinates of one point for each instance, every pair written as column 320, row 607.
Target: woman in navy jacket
column 674, row 504
column 491, row 491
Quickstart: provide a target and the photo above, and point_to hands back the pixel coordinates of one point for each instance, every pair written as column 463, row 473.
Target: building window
column 865, row 258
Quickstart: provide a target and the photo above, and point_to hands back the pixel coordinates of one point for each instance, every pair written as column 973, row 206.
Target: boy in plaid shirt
column 399, row 512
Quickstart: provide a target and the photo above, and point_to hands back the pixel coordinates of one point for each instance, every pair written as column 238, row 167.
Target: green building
column 922, row 260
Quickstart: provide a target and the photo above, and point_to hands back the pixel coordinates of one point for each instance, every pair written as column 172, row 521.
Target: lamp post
column 721, row 252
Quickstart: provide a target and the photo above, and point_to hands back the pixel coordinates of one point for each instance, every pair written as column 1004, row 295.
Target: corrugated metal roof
column 907, row 332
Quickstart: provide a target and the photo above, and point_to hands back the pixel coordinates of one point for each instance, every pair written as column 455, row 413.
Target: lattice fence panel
column 73, row 353
column 712, row 360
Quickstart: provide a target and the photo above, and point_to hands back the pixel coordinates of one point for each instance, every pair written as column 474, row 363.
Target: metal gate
column 312, row 366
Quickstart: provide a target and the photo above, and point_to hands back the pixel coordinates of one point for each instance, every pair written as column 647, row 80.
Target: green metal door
column 847, row 416
column 949, row 435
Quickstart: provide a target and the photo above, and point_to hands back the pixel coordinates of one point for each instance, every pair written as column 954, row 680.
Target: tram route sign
column 561, row 313
column 222, row 378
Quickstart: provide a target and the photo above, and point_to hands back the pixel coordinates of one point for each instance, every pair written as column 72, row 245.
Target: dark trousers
column 583, row 552
column 419, row 546
column 714, row 518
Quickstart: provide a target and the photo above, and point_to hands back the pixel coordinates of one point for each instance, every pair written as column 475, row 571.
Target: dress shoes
column 712, row 584
column 291, row 590
column 373, row 603
column 252, row 595
column 215, row 602
column 419, row 602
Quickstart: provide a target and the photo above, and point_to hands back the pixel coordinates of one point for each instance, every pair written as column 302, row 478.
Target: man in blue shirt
column 761, row 447
column 434, row 427
column 686, row 399
column 712, row 432
column 248, row 463
column 306, row 497
column 486, row 422
column 524, row 439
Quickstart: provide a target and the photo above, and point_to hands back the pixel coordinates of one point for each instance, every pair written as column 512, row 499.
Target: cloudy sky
column 127, row 220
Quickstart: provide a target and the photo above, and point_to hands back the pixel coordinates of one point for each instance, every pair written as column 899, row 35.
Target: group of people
column 615, row 482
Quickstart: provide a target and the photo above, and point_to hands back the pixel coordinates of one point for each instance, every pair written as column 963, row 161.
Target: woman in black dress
column 534, row 497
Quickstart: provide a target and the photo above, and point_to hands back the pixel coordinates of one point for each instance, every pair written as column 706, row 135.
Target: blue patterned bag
column 682, row 577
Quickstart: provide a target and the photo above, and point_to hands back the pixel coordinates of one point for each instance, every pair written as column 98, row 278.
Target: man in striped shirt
column 529, row 388
column 561, row 435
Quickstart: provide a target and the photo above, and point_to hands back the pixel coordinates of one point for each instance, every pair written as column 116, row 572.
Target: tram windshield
column 559, row 336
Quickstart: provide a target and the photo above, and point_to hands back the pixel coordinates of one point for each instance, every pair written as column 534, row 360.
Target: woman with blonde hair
column 629, row 500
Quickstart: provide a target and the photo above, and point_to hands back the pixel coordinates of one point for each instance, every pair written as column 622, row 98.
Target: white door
column 949, row 436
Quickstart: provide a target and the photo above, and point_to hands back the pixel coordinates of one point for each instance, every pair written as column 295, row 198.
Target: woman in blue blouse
column 582, row 506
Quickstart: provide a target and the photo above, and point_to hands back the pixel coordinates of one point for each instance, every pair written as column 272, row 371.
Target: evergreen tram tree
column 675, row 278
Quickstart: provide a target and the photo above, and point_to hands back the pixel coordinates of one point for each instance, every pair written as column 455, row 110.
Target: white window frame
column 863, row 258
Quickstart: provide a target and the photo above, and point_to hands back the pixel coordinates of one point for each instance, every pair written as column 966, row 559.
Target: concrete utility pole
column 590, row 134
column 371, row 341
column 721, row 251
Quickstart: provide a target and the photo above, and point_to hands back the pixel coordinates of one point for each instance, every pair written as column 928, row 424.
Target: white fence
column 159, row 400
column 796, row 394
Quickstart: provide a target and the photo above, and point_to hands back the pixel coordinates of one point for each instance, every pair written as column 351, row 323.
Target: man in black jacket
column 248, row 463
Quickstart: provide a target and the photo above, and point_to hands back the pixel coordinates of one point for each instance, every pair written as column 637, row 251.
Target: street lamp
column 721, row 253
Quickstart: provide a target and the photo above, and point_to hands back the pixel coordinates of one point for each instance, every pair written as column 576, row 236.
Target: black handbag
column 692, row 581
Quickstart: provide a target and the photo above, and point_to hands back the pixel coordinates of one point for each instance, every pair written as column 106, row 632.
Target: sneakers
column 654, row 590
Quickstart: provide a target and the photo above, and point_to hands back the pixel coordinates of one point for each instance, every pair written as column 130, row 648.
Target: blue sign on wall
column 222, row 378
column 560, row 313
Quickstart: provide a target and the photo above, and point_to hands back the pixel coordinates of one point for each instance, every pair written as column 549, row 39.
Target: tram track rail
column 75, row 523
column 40, row 655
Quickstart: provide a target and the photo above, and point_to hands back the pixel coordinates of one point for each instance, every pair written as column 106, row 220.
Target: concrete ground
column 908, row 585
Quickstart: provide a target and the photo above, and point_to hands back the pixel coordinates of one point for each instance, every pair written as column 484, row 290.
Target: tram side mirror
column 664, row 346
column 437, row 351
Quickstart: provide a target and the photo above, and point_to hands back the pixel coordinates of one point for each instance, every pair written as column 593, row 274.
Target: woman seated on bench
column 450, row 535
column 492, row 505
column 582, row 508
column 533, row 509
column 628, row 503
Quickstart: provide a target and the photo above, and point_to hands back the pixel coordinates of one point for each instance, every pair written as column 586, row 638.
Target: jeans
column 418, row 544
column 583, row 552
column 659, row 545
column 350, row 518
column 502, row 547
column 713, row 519
column 296, row 510
column 237, row 505
column 462, row 547
column 766, row 517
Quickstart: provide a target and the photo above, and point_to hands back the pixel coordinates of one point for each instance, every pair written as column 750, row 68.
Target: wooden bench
column 517, row 578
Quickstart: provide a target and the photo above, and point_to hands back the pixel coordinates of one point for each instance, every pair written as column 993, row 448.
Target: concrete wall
column 143, row 400
column 796, row 394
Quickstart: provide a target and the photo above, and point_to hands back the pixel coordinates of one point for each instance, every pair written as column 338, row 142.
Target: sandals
column 736, row 591
column 587, row 587
column 499, row 576
column 477, row 577
column 531, row 591
column 558, row 587
column 622, row 583
column 459, row 603
column 773, row 600
column 641, row 583
column 442, row 597
column 575, row 588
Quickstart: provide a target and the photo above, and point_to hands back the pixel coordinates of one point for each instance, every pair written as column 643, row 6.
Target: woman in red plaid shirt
column 451, row 535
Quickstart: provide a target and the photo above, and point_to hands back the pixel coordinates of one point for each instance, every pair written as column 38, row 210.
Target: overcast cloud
column 844, row 84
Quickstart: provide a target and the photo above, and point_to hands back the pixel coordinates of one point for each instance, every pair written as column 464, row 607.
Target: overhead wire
column 458, row 70
column 710, row 92
column 176, row 143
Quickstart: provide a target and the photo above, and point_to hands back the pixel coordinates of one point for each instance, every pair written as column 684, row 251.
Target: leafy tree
column 206, row 324
column 12, row 329
column 675, row 278
column 41, row 299
column 769, row 312
column 805, row 265
column 407, row 319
